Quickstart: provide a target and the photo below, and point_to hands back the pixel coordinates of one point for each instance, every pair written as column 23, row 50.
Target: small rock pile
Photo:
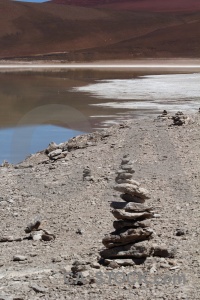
column 131, row 238
column 179, row 119
column 87, row 174
column 37, row 233
column 55, row 152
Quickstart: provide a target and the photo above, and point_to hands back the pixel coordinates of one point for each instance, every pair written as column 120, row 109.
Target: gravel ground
column 166, row 161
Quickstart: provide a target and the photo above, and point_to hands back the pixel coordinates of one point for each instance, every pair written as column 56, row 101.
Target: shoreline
column 173, row 64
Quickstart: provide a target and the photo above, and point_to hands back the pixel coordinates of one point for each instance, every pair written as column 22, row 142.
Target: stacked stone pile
column 131, row 238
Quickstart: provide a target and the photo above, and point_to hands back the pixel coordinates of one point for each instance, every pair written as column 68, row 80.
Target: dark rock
column 163, row 251
column 136, row 250
column 126, row 236
column 180, row 232
column 130, row 206
column 33, row 226
column 131, row 224
column 129, row 198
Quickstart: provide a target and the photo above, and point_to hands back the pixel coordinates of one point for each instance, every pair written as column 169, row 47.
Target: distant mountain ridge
column 137, row 5
column 74, row 33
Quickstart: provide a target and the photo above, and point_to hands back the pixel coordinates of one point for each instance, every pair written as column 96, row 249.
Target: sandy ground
column 166, row 161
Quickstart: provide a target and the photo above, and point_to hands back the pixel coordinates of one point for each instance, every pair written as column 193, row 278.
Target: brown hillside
column 142, row 5
column 28, row 29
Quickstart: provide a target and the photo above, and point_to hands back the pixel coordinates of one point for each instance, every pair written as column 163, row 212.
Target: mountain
column 71, row 32
column 138, row 5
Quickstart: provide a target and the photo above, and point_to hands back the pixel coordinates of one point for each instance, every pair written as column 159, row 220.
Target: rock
column 125, row 262
column 123, row 215
column 60, row 156
column 133, row 190
column 38, row 289
column 130, row 206
column 163, row 251
column 133, row 224
column 87, row 174
column 78, row 266
column 128, row 168
column 180, row 232
column 130, row 239
column 54, row 153
column 113, row 265
column 33, row 226
column 136, row 250
column 123, row 176
column 95, row 265
column 37, row 235
column 48, row 237
column 4, row 239
column 52, row 146
column 79, row 231
column 19, row 258
column 56, row 259
column 129, row 181
column 126, row 236
column 129, row 198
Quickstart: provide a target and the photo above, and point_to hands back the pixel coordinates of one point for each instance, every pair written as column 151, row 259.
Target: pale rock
column 54, row 153
column 123, row 215
column 19, row 258
column 133, row 190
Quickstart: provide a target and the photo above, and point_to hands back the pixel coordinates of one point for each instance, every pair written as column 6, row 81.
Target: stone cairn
column 132, row 228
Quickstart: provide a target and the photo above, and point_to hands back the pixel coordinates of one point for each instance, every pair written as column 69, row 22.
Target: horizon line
column 96, row 66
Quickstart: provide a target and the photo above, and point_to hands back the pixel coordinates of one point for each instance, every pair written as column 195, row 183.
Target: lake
column 38, row 107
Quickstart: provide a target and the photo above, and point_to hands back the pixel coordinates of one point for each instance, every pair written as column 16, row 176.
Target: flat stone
column 19, row 258
column 130, row 206
column 62, row 155
column 128, row 168
column 55, row 153
column 123, row 215
column 129, row 198
column 123, row 175
column 128, row 180
column 125, row 262
column 126, row 236
column 125, row 161
column 131, row 224
column 133, row 190
column 38, row 289
column 4, row 239
column 163, row 250
column 136, row 250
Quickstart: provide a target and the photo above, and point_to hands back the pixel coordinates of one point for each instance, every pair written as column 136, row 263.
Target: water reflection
column 47, row 103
